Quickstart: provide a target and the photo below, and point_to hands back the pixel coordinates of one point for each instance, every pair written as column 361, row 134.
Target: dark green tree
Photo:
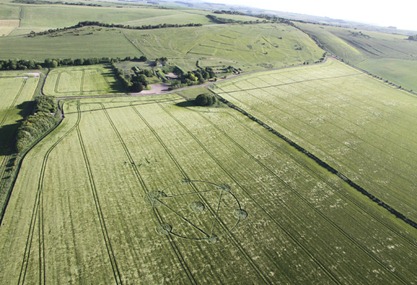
column 205, row 100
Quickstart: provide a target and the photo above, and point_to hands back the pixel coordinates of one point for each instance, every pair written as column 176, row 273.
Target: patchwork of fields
column 203, row 195
column 250, row 47
column 154, row 190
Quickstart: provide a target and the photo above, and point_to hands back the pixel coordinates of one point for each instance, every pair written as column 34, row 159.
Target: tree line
column 106, row 25
column 220, row 20
column 57, row 3
column 268, row 17
column 412, row 38
column 23, row 64
column 44, row 116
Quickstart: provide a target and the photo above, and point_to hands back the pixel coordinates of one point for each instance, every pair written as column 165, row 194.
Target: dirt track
column 158, row 88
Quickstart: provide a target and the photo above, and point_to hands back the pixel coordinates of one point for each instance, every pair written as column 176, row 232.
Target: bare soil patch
column 33, row 74
column 172, row 75
column 158, row 88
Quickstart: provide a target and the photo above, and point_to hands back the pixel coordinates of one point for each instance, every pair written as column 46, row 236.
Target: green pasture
column 357, row 124
column 250, row 47
column 44, row 17
column 58, row 16
column 81, row 81
column 333, row 43
column 390, row 56
column 17, row 88
column 399, row 71
column 158, row 193
column 9, row 19
column 354, row 45
column 8, row 12
column 81, row 43
column 239, row 18
column 154, row 190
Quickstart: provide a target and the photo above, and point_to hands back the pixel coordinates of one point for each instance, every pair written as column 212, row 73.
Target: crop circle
column 197, row 206
column 196, row 210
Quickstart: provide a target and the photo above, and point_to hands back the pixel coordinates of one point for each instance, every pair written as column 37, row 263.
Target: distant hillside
column 286, row 15
column 390, row 56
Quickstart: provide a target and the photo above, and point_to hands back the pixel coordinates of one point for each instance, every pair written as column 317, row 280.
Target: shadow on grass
column 8, row 139
column 186, row 104
column 8, row 132
column 117, row 86
column 25, row 108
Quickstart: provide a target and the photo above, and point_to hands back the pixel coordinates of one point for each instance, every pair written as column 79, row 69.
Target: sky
column 399, row 13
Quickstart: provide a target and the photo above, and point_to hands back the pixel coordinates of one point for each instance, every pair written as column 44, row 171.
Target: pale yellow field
column 7, row 26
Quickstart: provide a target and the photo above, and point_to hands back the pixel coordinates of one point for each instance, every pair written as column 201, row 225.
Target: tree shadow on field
column 116, row 86
column 185, row 104
column 8, row 139
column 8, row 133
column 25, row 108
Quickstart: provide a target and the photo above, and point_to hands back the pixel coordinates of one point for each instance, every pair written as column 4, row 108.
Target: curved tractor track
column 37, row 216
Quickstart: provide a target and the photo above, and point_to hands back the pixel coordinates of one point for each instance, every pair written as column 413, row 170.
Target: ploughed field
column 145, row 190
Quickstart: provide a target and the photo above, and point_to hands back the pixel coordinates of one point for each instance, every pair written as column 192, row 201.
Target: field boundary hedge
column 321, row 163
column 118, row 26
column 18, row 159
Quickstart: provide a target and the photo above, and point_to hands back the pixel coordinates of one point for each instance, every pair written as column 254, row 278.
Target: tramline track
column 369, row 158
column 309, row 204
column 323, row 164
column 312, row 172
column 107, row 241
column 146, row 190
column 215, row 215
column 37, row 217
column 246, row 191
